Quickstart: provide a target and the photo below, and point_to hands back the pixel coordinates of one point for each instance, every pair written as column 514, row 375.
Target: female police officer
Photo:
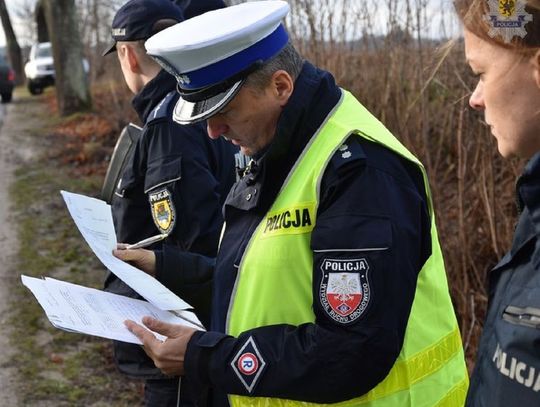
column 502, row 42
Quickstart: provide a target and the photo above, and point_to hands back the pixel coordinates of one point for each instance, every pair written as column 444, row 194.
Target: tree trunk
column 72, row 92
column 41, row 24
column 14, row 51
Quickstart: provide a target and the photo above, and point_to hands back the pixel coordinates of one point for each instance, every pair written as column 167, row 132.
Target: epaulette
column 348, row 152
column 161, row 111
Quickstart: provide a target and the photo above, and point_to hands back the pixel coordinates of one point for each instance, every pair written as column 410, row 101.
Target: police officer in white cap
column 329, row 286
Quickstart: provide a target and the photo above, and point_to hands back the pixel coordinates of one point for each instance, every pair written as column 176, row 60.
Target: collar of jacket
column 528, row 190
column 315, row 95
column 153, row 92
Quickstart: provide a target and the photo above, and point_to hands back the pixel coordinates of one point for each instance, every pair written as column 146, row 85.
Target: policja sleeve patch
column 344, row 291
column 163, row 211
column 248, row 364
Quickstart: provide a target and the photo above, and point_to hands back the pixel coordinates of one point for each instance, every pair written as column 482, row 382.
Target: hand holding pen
column 146, row 242
column 141, row 258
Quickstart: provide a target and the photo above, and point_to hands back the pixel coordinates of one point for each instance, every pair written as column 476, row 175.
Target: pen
column 179, row 315
column 146, row 242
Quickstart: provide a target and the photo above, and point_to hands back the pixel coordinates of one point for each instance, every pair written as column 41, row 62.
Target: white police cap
column 211, row 55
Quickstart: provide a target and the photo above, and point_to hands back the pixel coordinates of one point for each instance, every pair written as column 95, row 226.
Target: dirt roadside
column 15, row 149
column 41, row 366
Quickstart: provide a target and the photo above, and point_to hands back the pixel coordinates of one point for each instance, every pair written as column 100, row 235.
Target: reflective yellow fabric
column 430, row 369
column 410, row 371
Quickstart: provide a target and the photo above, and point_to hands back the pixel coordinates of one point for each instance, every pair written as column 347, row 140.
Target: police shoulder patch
column 248, row 364
column 163, row 211
column 344, row 292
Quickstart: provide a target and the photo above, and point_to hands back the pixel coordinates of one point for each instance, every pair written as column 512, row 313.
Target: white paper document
column 89, row 311
column 93, row 218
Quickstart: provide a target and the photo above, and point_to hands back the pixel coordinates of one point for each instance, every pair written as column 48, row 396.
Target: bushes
column 419, row 88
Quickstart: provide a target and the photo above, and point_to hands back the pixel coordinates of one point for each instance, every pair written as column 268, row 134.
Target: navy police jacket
column 507, row 371
column 174, row 182
column 345, row 360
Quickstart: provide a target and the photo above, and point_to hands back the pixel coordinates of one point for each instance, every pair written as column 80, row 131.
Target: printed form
column 80, row 309
column 93, row 218
column 93, row 312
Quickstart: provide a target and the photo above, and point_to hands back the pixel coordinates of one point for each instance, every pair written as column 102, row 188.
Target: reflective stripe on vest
column 430, row 369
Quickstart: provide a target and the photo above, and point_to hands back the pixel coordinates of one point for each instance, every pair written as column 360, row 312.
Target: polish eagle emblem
column 344, row 289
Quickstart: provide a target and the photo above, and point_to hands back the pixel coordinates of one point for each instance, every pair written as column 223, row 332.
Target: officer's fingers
column 148, row 339
column 163, row 328
column 121, row 246
column 168, row 355
column 140, row 258
column 130, row 255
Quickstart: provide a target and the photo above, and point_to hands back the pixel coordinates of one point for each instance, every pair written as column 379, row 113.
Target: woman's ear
column 536, row 64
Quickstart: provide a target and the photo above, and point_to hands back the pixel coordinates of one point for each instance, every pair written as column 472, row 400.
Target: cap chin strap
column 199, row 95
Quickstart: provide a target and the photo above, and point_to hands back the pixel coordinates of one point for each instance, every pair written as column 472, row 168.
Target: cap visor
column 192, row 112
column 109, row 49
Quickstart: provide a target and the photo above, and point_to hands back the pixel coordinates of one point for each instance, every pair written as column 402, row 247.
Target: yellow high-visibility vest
column 430, row 369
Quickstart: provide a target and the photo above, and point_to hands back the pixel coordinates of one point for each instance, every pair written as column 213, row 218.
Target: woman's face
column 508, row 94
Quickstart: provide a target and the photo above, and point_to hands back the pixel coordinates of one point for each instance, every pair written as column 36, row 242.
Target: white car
column 39, row 69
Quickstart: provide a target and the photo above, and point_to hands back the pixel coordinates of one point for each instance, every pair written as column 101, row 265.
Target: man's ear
column 282, row 86
column 130, row 57
column 536, row 64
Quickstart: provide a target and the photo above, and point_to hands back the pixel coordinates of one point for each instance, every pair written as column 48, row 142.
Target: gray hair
column 288, row 60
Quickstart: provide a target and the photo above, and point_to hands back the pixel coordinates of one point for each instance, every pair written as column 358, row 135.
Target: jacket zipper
column 528, row 316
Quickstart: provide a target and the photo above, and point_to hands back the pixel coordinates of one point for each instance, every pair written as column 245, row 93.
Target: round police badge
column 248, row 363
column 344, row 291
column 163, row 211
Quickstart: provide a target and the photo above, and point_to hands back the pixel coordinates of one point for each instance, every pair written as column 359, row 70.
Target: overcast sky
column 14, row 7
column 441, row 22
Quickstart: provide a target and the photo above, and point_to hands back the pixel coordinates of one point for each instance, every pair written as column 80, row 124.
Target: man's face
column 249, row 120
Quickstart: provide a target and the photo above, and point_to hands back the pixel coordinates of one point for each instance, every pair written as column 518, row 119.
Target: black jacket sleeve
column 189, row 275
column 373, row 214
column 179, row 165
column 180, row 175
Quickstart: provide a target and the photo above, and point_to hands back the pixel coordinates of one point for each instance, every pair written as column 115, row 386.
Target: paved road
column 8, row 247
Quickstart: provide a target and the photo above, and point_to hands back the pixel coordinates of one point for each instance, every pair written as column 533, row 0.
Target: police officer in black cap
column 173, row 180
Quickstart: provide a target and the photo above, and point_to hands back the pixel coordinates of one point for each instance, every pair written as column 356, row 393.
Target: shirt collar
column 315, row 95
column 528, row 186
column 152, row 93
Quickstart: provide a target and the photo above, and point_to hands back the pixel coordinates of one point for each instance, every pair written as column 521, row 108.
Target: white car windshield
column 43, row 52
